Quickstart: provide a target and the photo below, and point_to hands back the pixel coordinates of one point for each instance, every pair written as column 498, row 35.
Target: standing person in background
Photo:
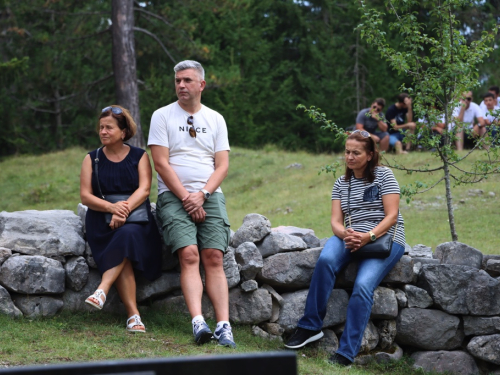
column 119, row 246
column 466, row 114
column 190, row 151
column 495, row 90
column 373, row 121
column 400, row 117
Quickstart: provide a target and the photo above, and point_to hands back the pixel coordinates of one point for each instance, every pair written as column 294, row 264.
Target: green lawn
column 258, row 182
column 84, row 337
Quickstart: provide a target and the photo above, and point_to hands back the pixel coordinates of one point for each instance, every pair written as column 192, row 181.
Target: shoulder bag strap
column 96, row 160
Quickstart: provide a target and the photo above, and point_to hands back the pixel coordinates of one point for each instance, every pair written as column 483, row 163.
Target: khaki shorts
column 179, row 230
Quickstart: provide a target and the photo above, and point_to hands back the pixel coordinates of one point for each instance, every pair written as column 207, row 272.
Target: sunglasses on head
column 192, row 130
column 115, row 110
column 364, row 133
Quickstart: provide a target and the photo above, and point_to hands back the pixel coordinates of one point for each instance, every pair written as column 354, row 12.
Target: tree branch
column 157, row 39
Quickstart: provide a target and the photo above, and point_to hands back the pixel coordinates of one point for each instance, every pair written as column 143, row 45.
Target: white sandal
column 97, row 296
column 137, row 322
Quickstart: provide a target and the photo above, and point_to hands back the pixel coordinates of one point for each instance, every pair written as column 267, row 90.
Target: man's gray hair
column 190, row 64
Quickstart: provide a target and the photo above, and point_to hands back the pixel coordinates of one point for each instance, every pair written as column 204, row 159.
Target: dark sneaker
column 337, row 359
column 201, row 332
column 225, row 336
column 302, row 337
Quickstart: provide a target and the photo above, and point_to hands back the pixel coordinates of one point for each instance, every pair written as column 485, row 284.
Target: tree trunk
column 449, row 202
column 58, row 114
column 124, row 64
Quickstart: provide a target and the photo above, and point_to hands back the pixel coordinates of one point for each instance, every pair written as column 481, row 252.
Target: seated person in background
column 374, row 123
column 490, row 120
column 434, row 126
column 465, row 114
column 495, row 90
column 400, row 117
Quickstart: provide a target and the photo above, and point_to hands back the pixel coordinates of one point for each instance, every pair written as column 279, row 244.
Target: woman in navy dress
column 119, row 247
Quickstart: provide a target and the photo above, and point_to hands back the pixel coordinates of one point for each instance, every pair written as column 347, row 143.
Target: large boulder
column 294, row 304
column 7, row 307
column 276, row 242
column 293, row 231
column 27, row 274
column 250, row 260
column 311, row 240
column 254, row 228
column 387, row 333
column 81, row 211
column 402, row 272
column 459, row 254
column 166, row 283
column 77, row 273
column 38, row 306
column 47, row 233
column 178, row 303
column 385, row 304
column 417, row 297
column 428, row 329
column 75, row 300
column 231, row 268
column 249, row 308
column 420, row 251
column 4, row 254
column 461, row 289
column 289, row 270
column 486, row 348
column 481, row 325
column 454, row 362
column 370, row 338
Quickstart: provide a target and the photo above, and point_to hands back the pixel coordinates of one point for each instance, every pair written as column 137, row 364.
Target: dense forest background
column 262, row 58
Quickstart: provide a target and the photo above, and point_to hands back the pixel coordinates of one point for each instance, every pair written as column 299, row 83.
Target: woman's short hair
column 124, row 119
column 369, row 146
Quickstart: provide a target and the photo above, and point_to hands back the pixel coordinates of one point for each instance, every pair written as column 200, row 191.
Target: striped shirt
column 366, row 201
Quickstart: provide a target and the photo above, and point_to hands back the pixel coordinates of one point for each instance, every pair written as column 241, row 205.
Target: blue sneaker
column 225, row 336
column 201, row 332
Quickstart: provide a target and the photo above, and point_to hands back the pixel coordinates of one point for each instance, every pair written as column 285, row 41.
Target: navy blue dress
column 140, row 243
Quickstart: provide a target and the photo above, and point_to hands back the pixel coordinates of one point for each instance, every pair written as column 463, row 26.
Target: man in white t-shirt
column 465, row 114
column 491, row 120
column 190, row 150
column 495, row 90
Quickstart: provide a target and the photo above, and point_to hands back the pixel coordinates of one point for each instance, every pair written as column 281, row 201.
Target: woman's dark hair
column 124, row 119
column 369, row 146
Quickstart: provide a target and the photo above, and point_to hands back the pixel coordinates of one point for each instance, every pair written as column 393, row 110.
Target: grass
column 259, row 182
column 83, row 337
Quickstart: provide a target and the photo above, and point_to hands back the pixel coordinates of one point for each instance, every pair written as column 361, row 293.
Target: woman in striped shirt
column 370, row 210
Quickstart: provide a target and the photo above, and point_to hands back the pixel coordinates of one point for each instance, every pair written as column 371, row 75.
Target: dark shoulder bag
column 380, row 248
column 137, row 216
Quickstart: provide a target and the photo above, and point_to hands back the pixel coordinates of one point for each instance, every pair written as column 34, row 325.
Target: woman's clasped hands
column 355, row 240
column 120, row 212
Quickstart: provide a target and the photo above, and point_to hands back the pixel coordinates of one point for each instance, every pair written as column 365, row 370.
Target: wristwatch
column 206, row 193
column 372, row 236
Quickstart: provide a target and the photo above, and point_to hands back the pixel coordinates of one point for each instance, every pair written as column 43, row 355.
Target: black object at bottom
column 273, row 363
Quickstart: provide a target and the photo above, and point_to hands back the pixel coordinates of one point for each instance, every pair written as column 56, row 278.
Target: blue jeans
column 395, row 137
column 371, row 272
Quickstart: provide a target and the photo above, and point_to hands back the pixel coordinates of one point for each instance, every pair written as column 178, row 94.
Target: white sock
column 221, row 324
column 197, row 318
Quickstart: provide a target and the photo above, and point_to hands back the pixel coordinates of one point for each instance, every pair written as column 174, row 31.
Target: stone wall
column 442, row 307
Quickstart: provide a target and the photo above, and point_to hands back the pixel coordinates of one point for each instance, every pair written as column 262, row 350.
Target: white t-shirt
column 483, row 106
column 193, row 159
column 470, row 113
column 488, row 116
